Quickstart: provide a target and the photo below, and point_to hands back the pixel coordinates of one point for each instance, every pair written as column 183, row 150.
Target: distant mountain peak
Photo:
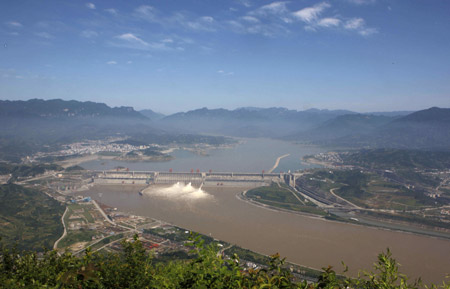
column 433, row 114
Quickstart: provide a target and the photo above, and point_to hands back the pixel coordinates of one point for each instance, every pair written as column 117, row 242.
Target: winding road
column 55, row 246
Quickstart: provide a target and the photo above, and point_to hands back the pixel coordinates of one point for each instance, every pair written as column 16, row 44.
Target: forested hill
column 29, row 218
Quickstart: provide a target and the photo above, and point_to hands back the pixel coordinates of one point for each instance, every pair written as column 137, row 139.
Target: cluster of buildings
column 91, row 147
column 95, row 146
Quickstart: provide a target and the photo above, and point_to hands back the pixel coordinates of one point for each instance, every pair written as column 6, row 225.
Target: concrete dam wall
column 196, row 179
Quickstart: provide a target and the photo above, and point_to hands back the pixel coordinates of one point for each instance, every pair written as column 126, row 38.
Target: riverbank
column 382, row 224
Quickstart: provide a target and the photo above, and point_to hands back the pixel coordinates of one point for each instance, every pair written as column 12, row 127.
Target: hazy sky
column 363, row 55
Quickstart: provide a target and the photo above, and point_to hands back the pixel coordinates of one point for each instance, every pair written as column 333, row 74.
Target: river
column 303, row 240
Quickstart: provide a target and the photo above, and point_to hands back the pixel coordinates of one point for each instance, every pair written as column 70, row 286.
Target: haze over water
column 254, row 155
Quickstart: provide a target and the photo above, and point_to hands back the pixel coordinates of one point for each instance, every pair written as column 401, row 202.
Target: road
column 55, row 246
column 344, row 200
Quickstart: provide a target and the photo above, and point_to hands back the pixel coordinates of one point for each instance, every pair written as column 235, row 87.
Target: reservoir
column 303, row 240
column 253, row 155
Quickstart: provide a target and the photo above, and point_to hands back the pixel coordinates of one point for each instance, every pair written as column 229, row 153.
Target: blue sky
column 169, row 56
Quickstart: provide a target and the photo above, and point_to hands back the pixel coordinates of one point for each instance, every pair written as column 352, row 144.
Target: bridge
column 195, row 178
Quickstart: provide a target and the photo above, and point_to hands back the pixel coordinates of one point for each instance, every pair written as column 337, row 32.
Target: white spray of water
column 178, row 191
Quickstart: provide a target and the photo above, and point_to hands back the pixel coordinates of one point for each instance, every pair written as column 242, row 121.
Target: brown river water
column 304, row 240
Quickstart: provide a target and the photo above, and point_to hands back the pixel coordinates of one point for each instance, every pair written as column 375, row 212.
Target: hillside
column 29, row 218
column 151, row 115
column 427, row 129
column 399, row 159
column 341, row 126
column 431, row 115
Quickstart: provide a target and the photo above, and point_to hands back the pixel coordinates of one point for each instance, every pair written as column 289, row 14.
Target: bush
column 133, row 268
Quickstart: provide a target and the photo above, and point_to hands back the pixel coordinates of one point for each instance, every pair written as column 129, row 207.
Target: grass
column 366, row 190
column 76, row 236
column 82, row 210
column 88, row 216
column 281, row 196
column 107, row 240
column 82, row 235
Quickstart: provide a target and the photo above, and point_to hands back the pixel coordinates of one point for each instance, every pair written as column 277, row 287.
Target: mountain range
column 40, row 123
column 250, row 122
column 57, row 109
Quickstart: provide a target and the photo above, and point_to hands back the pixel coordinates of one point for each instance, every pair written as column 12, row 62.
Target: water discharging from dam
column 178, row 191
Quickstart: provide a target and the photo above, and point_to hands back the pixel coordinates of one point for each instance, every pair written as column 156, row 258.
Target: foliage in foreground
column 133, row 268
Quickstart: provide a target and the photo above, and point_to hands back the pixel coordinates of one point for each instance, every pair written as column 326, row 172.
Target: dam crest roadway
column 195, row 178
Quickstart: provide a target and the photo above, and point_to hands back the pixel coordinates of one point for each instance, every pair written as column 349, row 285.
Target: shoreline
column 241, row 196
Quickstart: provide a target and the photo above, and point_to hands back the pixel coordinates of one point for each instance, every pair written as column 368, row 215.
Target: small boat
column 140, row 193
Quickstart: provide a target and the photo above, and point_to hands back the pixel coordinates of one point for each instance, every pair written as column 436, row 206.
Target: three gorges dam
column 197, row 178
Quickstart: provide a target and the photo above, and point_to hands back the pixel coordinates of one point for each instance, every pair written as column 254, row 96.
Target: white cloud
column 183, row 19
column 274, row 11
column 45, row 35
column 14, row 24
column 205, row 23
column 329, row 22
column 133, row 39
column 112, row 11
column 250, row 19
column 273, row 8
column 129, row 62
column 367, row 31
column 310, row 14
column 167, row 40
column 88, row 34
column 359, row 25
column 310, row 28
column 267, row 29
column 147, row 12
column 207, row 19
column 245, row 3
column 361, row 2
column 268, row 20
column 222, row 72
column 129, row 40
column 111, row 62
column 90, row 6
column 354, row 23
